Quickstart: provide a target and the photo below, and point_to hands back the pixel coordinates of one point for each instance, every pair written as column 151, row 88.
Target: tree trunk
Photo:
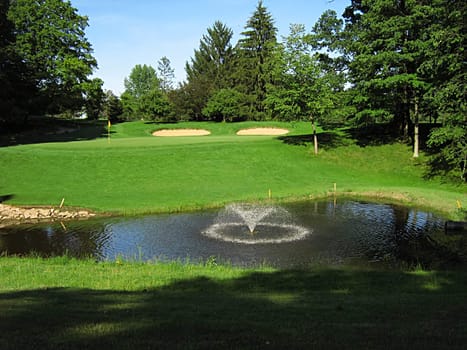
column 416, row 139
column 315, row 136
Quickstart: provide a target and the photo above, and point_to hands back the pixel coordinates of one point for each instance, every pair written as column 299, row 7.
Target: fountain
column 250, row 213
column 253, row 224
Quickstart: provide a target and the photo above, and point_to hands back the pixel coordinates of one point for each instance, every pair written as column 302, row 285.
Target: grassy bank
column 68, row 304
column 135, row 172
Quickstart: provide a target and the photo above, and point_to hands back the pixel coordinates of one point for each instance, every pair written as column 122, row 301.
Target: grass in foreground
column 138, row 173
column 69, row 304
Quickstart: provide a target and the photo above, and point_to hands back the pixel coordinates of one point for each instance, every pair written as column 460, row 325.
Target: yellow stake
column 108, row 130
column 459, row 205
column 270, row 194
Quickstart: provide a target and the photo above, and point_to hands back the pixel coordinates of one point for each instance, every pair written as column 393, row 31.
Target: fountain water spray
column 251, row 214
column 253, row 224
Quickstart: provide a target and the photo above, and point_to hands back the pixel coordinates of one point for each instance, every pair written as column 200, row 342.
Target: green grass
column 138, row 173
column 63, row 303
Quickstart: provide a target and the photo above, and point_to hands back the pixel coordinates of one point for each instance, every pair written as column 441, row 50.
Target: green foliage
column 255, row 53
column 213, row 57
column 386, row 43
column 142, row 79
column 94, row 98
column 166, row 74
column 301, row 89
column 445, row 67
column 112, row 108
column 16, row 89
column 143, row 97
column 209, row 70
column 56, row 57
column 226, row 105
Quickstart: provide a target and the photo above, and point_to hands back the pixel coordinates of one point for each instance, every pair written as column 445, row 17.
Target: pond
column 343, row 232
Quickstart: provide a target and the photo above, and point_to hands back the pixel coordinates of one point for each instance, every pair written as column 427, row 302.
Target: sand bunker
column 263, row 131
column 181, row 132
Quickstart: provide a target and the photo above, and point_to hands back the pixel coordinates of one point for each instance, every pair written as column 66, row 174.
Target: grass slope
column 67, row 304
column 136, row 172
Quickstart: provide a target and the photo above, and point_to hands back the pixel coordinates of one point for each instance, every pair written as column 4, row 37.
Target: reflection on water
column 347, row 233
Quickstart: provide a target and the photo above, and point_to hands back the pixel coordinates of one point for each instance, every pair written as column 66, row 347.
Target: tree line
column 393, row 62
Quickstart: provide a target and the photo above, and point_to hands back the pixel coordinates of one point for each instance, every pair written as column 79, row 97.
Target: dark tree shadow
column 6, row 197
column 374, row 135
column 325, row 139
column 292, row 309
column 362, row 136
column 43, row 130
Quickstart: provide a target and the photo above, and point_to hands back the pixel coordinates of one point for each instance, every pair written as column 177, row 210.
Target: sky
column 124, row 33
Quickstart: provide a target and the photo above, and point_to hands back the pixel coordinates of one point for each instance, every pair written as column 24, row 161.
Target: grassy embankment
column 138, row 173
column 68, row 304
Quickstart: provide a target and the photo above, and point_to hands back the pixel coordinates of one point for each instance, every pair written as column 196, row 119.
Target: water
column 287, row 236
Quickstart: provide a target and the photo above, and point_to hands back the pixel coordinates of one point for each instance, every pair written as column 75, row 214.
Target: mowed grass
column 63, row 303
column 135, row 172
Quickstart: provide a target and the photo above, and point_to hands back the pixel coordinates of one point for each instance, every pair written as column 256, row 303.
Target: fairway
column 134, row 172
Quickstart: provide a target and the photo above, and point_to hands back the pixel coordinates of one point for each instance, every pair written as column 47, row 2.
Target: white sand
column 181, row 132
column 263, row 131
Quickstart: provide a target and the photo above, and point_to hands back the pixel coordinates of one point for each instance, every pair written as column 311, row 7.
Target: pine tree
column 210, row 68
column 255, row 59
column 165, row 74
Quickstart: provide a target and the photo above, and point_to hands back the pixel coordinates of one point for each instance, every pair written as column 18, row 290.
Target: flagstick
column 108, row 130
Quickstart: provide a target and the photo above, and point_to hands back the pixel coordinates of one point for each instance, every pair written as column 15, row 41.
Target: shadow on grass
column 297, row 309
column 42, row 130
column 6, row 197
column 374, row 135
column 325, row 139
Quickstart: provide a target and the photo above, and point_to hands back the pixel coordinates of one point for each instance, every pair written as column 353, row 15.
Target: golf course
column 125, row 170
column 233, row 175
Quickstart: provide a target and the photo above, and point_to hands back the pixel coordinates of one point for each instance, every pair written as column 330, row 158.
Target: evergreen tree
column 210, row 68
column 166, row 74
column 445, row 68
column 255, row 56
column 387, row 42
column 112, row 108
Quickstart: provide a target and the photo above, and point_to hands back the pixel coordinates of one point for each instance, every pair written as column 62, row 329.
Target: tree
column 50, row 40
column 445, row 68
column 143, row 96
column 387, row 43
column 112, row 108
column 209, row 69
column 226, row 105
column 255, row 54
column 94, row 98
column 302, row 89
column 213, row 57
column 166, row 74
column 406, row 63
column 14, row 82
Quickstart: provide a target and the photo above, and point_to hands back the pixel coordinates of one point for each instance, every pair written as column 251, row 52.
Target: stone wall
column 10, row 215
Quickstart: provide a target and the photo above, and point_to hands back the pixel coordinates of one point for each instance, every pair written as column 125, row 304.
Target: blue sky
column 125, row 33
